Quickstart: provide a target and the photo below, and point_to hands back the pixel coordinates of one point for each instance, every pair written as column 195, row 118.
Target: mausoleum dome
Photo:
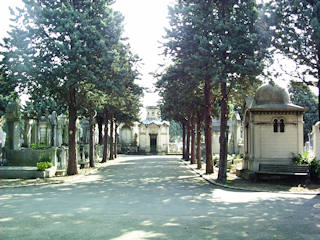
column 271, row 94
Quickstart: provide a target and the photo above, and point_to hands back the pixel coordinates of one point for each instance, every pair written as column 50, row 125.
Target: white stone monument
column 316, row 140
column 154, row 133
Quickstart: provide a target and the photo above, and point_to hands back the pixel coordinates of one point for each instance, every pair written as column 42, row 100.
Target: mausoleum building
column 273, row 128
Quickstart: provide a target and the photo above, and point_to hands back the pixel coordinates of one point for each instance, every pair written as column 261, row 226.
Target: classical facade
column 273, row 128
column 154, row 133
column 150, row 136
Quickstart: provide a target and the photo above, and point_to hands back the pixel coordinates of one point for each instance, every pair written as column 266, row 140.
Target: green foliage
column 41, row 146
column 301, row 159
column 304, row 159
column 296, row 26
column 297, row 33
column 175, row 131
column 44, row 165
column 301, row 95
column 314, row 167
column 70, row 54
column 7, row 92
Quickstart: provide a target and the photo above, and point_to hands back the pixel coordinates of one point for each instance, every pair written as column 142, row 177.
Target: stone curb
column 238, row 188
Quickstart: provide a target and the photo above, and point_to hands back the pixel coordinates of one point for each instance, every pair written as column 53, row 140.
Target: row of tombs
column 271, row 131
column 26, row 141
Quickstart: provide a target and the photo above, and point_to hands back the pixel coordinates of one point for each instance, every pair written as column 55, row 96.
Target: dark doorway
column 153, row 143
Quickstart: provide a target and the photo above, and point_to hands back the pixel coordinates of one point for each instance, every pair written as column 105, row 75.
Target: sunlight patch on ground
column 6, row 219
column 146, row 223
column 219, row 195
column 171, row 224
column 138, row 235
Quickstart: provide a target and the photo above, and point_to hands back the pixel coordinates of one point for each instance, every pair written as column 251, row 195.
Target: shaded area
column 153, row 197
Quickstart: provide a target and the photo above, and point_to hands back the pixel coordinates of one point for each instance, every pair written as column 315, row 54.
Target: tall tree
column 7, row 93
column 59, row 47
column 301, row 95
column 297, row 36
column 226, row 42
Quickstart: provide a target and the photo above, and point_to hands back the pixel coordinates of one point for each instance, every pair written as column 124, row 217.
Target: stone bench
column 298, row 170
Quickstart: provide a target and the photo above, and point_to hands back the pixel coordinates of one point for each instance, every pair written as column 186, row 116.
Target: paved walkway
column 153, row 197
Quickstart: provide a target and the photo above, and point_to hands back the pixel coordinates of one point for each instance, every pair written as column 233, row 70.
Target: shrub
column 314, row 168
column 45, row 158
column 301, row 159
column 41, row 146
column 44, row 165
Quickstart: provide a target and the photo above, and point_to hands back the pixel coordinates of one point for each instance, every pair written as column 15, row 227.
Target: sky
column 144, row 25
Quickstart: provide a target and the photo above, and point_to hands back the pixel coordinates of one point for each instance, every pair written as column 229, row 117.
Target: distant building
column 154, row 133
column 150, row 136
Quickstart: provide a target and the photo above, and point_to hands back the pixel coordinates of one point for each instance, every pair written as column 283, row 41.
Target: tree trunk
column 193, row 142
column 105, row 142
column 91, row 142
column 116, row 140
column 188, row 141
column 198, row 155
column 208, row 126
column 111, row 138
column 222, row 175
column 72, row 162
column 183, row 140
column 100, row 121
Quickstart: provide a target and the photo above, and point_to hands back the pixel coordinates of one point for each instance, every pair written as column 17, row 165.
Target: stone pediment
column 153, row 128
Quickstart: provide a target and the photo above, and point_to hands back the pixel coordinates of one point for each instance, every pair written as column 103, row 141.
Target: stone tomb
column 273, row 128
column 154, row 133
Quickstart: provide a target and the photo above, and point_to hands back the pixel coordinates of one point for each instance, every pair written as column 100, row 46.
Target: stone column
column 65, row 130
column 43, row 129
column 13, row 131
column 316, row 140
column 59, row 131
column 27, row 132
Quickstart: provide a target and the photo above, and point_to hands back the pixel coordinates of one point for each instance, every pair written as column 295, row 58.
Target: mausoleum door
column 153, row 143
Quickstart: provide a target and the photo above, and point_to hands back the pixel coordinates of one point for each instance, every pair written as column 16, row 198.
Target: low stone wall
column 28, row 157
column 25, row 172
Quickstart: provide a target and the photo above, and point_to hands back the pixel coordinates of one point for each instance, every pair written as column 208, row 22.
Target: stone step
column 61, row 173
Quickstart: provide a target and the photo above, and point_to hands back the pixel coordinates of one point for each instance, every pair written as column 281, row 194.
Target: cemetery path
column 153, row 197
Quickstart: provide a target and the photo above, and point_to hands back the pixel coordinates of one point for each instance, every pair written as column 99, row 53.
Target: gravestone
column 13, row 130
column 45, row 131
column 53, row 122
column 316, row 140
column 60, row 125
column 27, row 135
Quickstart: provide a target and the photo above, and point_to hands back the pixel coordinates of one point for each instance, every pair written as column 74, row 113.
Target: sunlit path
column 153, row 197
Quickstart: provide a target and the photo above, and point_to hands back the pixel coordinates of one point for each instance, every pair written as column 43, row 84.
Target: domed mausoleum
column 273, row 128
